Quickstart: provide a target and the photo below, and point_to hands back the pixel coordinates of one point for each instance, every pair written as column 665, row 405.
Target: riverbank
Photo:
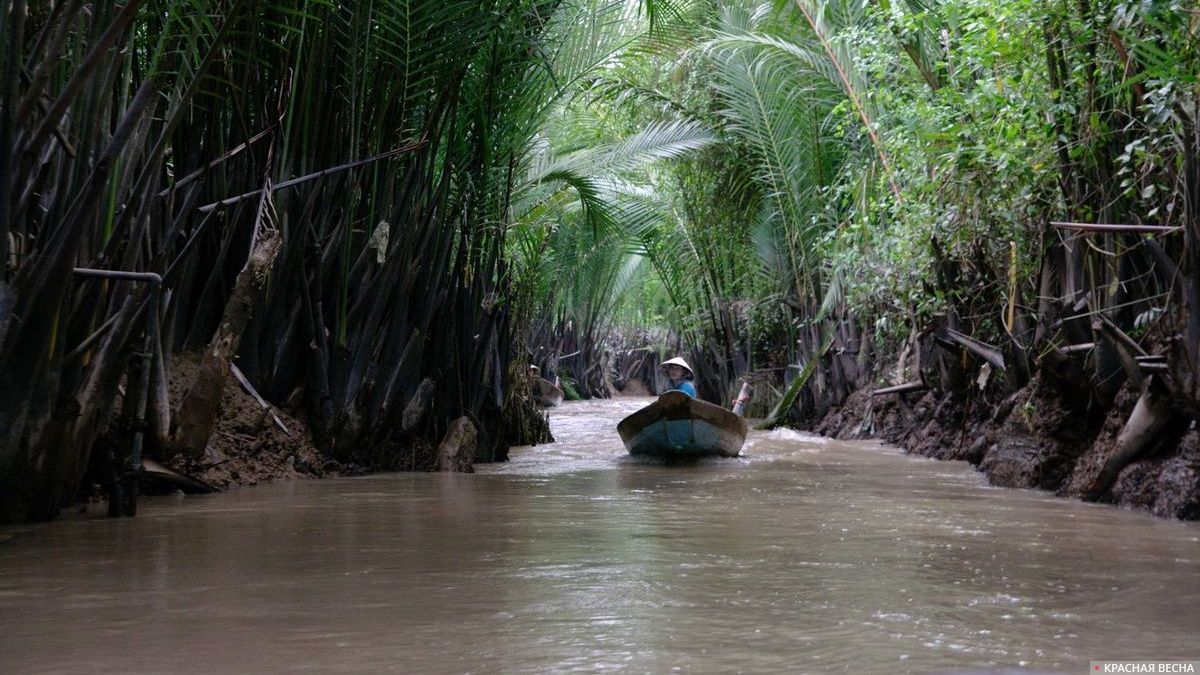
column 804, row 555
column 254, row 441
column 1029, row 440
column 250, row 443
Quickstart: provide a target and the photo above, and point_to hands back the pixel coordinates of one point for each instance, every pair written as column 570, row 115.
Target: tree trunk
column 1150, row 417
column 457, row 450
column 198, row 411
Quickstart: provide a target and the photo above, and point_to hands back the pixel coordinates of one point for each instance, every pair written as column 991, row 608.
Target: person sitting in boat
column 680, row 375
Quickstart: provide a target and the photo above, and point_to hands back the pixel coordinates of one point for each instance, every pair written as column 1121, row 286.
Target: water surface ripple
column 803, row 555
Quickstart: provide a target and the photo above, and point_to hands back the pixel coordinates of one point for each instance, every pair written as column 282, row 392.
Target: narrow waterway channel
column 804, row 555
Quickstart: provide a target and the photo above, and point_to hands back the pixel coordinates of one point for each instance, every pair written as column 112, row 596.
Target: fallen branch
column 981, row 349
column 241, row 378
column 901, row 388
column 90, row 340
column 780, row 411
column 313, row 176
column 1103, row 227
column 1109, row 328
column 240, row 438
column 1128, row 350
column 213, row 164
column 1081, row 347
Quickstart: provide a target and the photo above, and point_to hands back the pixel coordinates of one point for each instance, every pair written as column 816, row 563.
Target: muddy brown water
column 804, row 555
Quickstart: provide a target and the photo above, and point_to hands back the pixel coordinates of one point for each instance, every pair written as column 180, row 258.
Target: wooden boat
column 545, row 393
column 677, row 426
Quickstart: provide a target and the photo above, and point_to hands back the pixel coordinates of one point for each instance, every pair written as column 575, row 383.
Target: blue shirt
column 686, row 387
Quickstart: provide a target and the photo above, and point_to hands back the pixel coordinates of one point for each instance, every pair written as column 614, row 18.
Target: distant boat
column 678, row 426
column 545, row 393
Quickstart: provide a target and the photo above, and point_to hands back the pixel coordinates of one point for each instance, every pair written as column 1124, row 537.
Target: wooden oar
column 739, row 404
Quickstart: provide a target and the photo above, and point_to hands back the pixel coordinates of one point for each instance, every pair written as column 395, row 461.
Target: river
column 803, row 555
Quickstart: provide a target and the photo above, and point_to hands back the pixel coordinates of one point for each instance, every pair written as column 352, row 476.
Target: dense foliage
column 889, row 163
column 364, row 201
column 324, row 187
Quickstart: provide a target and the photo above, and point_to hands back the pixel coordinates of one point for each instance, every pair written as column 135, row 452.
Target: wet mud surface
column 1029, row 440
column 247, row 446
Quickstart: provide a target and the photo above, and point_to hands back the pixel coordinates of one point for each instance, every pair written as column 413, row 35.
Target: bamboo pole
column 1081, row 347
column 313, row 176
column 901, row 388
column 1107, row 227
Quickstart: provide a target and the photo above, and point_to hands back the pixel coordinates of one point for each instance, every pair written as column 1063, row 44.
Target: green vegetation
column 351, row 198
column 898, row 162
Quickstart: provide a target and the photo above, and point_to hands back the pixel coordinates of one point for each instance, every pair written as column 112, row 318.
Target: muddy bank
column 251, row 444
column 1030, row 439
column 255, row 441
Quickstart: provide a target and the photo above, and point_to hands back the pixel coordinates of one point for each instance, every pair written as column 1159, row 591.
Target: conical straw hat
column 677, row 362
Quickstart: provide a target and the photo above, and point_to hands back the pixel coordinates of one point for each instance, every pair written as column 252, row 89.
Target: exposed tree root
column 1151, row 416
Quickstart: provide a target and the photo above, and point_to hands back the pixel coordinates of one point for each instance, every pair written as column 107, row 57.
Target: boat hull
column 677, row 426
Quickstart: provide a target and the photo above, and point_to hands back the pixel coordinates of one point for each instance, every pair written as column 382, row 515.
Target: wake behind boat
column 677, row 426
